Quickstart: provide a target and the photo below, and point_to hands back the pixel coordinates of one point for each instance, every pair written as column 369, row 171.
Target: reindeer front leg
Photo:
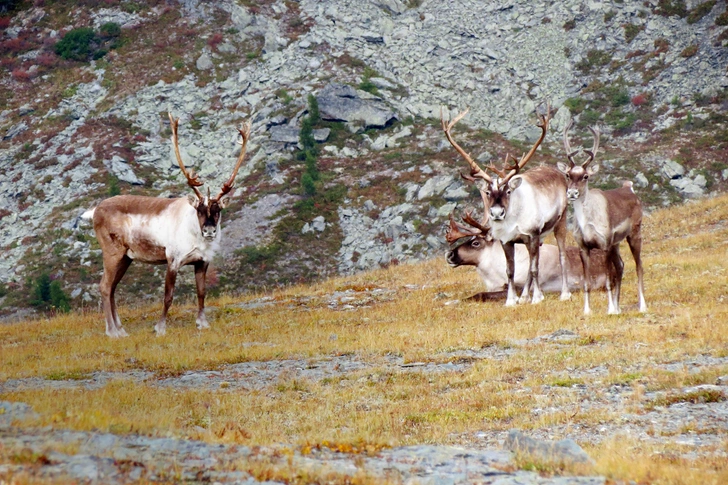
column 533, row 255
column 509, row 249
column 171, row 278
column 584, row 253
column 200, row 273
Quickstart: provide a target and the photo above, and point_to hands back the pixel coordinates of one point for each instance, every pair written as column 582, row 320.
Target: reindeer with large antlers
column 522, row 208
column 603, row 220
column 178, row 232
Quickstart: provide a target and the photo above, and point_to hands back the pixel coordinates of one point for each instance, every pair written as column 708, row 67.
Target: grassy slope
column 686, row 286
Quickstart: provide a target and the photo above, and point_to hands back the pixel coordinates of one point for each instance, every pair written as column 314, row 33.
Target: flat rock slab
column 102, row 458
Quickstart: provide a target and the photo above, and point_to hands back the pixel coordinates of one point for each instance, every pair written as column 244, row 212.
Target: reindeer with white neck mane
column 603, row 219
column 476, row 247
column 523, row 208
column 154, row 230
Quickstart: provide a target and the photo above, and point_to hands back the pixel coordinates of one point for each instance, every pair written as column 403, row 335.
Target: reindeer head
column 577, row 175
column 476, row 238
column 496, row 191
column 209, row 208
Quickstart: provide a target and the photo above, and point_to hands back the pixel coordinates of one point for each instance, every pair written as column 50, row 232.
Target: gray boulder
column 121, row 169
column 339, row 102
column 565, row 452
column 290, row 134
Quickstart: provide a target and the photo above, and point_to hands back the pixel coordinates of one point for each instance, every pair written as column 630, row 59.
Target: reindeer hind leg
column 121, row 268
column 635, row 246
column 113, row 266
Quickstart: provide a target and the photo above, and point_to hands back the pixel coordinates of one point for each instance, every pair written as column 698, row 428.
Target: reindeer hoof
column 565, row 296
column 203, row 326
column 122, row 333
column 511, row 302
column 159, row 330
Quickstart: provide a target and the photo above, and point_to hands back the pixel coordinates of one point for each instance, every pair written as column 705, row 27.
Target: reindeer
column 523, row 208
column 602, row 220
column 479, row 249
column 178, row 232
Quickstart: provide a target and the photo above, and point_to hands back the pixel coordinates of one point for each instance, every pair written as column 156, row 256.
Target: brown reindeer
column 603, row 218
column 522, row 208
column 176, row 232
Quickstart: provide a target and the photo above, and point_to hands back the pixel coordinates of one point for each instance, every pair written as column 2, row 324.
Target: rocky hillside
column 80, row 125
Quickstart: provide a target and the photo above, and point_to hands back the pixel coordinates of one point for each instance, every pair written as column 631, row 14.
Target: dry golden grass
column 685, row 253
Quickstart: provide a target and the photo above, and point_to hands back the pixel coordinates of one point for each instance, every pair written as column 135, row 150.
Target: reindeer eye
column 475, row 244
column 586, row 176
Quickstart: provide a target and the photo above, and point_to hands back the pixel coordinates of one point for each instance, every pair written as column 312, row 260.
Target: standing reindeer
column 153, row 230
column 602, row 220
column 523, row 208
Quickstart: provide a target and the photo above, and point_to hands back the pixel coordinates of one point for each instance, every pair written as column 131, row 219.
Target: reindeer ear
column 193, row 200
column 223, row 202
column 592, row 170
column 563, row 168
column 515, row 183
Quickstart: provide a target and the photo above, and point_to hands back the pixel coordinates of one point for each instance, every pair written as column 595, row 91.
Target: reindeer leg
column 121, row 268
column 635, row 245
column 169, row 281
column 584, row 253
column 200, row 272
column 560, row 233
column 113, row 266
column 616, row 277
column 509, row 249
column 533, row 253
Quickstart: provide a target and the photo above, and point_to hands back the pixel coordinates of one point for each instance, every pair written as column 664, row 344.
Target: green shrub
column 700, row 11
column 110, row 30
column 668, row 8
column 59, row 300
column 77, row 44
column 313, row 109
column 722, row 19
column 575, row 105
column 114, row 186
column 589, row 117
column 594, row 57
column 631, row 31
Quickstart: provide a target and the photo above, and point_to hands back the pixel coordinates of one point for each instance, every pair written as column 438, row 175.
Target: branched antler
column 192, row 178
column 475, row 170
column 244, row 131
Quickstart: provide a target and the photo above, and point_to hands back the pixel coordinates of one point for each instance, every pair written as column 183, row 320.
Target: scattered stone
column 339, row 102
column 204, row 62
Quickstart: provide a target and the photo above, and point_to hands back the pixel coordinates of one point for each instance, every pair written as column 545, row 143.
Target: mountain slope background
column 80, row 125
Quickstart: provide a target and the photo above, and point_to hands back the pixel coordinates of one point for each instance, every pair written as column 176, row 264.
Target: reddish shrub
column 21, row 74
column 641, row 99
column 15, row 45
column 4, row 22
column 46, row 59
column 7, row 63
column 214, row 40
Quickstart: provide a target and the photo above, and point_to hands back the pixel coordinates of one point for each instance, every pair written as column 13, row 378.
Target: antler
column 593, row 152
column 475, row 170
column 244, row 131
column 567, row 146
column 544, row 125
column 192, row 178
column 455, row 231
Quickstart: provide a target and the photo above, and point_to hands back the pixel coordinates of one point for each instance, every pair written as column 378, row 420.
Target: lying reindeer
column 176, row 232
column 478, row 248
